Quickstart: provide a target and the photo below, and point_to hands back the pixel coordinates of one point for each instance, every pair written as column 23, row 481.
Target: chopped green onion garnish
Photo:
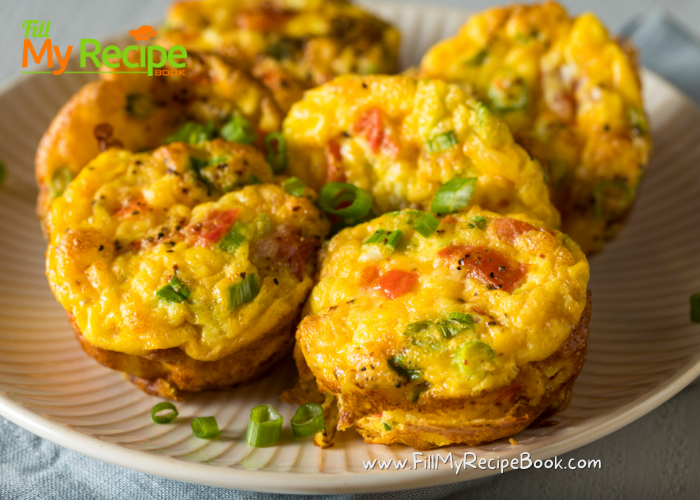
column 244, row 291
column 387, row 238
column 179, row 288
column 174, row 291
column 453, row 195
column 139, row 105
column 264, row 426
column 233, row 239
column 307, row 420
column 398, row 364
column 464, row 318
column 276, row 148
column 441, row 142
column 478, row 221
column 167, row 417
column 59, row 181
column 426, row 225
column 238, row 129
column 638, row 121
column 193, row 133
column 472, row 356
column 294, row 186
column 205, row 427
column 695, row 308
column 611, row 198
column 253, row 179
column 387, row 427
column 508, row 92
column 336, row 194
column 477, row 59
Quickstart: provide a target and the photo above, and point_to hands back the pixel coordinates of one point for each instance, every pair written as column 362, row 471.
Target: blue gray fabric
column 651, row 457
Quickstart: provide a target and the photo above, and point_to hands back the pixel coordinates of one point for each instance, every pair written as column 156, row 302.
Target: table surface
column 655, row 457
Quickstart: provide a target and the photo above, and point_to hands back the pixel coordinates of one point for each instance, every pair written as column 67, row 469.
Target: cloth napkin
column 33, row 468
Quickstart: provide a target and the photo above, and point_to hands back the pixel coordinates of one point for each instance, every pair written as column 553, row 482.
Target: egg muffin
column 140, row 112
column 571, row 94
column 292, row 45
column 401, row 139
column 462, row 335
column 184, row 267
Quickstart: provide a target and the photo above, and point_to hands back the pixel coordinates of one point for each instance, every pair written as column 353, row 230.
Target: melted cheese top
column 455, row 314
column 129, row 223
column 401, row 139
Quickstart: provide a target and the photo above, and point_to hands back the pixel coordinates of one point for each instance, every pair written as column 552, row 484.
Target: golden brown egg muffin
column 139, row 112
column 292, row 45
column 183, row 267
column 401, row 139
column 572, row 96
column 463, row 336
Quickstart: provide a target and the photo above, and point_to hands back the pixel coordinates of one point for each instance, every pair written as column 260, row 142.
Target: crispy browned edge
column 475, row 432
column 169, row 373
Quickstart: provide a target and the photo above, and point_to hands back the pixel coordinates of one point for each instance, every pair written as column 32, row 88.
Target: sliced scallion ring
column 205, row 427
column 294, row 187
column 335, row 194
column 276, row 148
column 238, row 129
column 59, row 181
column 308, row 420
column 166, row 417
column 244, row 291
column 464, row 318
column 441, row 142
column 193, row 133
column 478, row 221
column 233, row 239
column 426, row 225
column 264, row 426
column 453, row 195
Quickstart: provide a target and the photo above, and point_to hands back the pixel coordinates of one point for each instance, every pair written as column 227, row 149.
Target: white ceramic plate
column 643, row 349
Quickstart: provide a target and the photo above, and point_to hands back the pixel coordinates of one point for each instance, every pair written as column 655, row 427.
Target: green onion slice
column 387, row 427
column 508, row 92
column 166, row 417
column 335, row 194
column 472, row 356
column 611, row 198
column 477, row 59
column 426, row 225
column 387, row 238
column 695, row 308
column 59, row 181
column 238, row 129
column 193, row 133
column 174, row 291
column 294, row 187
column 264, row 426
column 453, row 195
column 464, row 318
column 205, row 427
column 638, row 121
column 244, row 291
column 478, row 221
column 441, row 142
column 276, row 148
column 308, row 420
column 398, row 364
column 139, row 105
column 179, row 288
column 233, row 239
